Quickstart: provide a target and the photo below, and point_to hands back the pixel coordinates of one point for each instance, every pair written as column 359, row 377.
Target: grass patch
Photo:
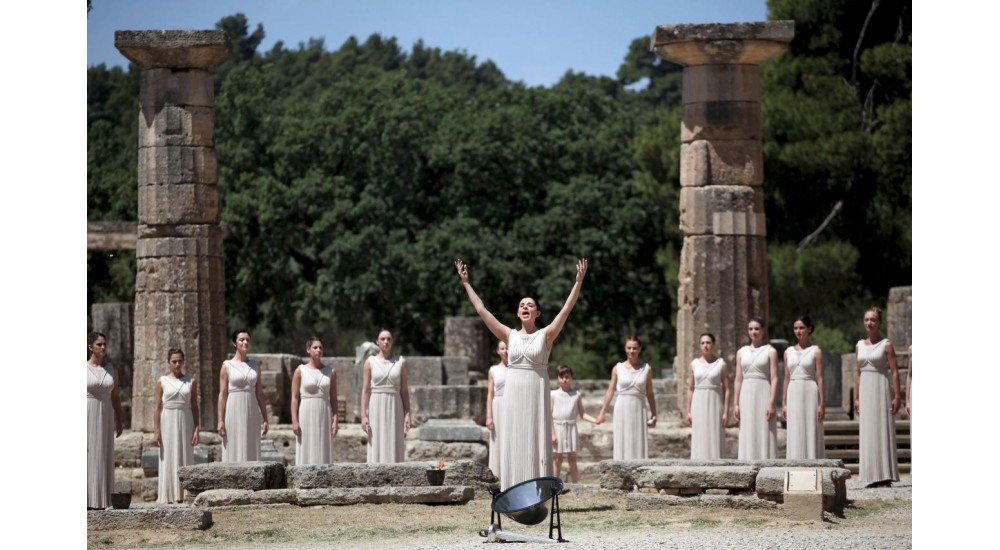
column 750, row 522
column 704, row 523
column 105, row 540
column 267, row 535
column 868, row 508
column 596, row 508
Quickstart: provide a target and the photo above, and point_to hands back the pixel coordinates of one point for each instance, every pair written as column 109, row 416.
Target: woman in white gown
column 175, row 426
column 708, row 401
column 756, row 393
column 876, row 404
column 633, row 381
column 385, row 403
column 803, row 406
column 242, row 411
column 526, row 418
column 496, row 382
column 314, row 407
column 105, row 422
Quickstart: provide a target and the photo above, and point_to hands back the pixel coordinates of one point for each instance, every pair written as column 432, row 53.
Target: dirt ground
column 587, row 515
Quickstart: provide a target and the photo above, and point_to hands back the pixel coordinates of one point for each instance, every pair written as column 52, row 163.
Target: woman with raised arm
column 525, row 436
column 385, row 402
column 175, row 426
column 314, row 407
column 242, row 412
column 104, row 422
column 803, row 406
column 708, row 401
column 876, row 403
column 756, row 392
column 496, row 382
column 633, row 380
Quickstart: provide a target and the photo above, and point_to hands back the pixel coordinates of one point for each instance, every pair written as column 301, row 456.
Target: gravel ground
column 591, row 518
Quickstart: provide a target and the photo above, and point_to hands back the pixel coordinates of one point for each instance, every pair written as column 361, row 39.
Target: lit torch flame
column 441, row 465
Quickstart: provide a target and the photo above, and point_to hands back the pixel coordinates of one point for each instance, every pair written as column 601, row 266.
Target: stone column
column 899, row 323
column 465, row 337
column 179, row 294
column 723, row 271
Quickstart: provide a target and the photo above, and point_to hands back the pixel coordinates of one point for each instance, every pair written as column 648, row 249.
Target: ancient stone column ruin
column 466, row 337
column 723, row 271
column 179, row 295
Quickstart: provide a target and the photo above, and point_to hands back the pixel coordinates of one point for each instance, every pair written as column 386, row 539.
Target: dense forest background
column 351, row 178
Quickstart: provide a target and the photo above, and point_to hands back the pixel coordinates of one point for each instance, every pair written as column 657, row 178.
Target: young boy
column 566, row 407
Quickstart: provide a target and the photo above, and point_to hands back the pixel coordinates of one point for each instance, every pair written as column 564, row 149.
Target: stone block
column 251, row 476
column 622, row 475
column 700, row 478
column 223, row 497
column 425, row 371
column 770, row 482
column 176, row 273
column 162, row 87
column 803, row 498
column 447, row 451
column 736, row 162
column 722, row 210
column 899, row 320
column 173, row 165
column 456, row 371
column 444, row 494
column 269, row 453
column 346, row 389
column 447, row 402
column 722, row 82
column 178, row 49
column 458, row 429
column 148, row 518
column 751, row 43
column 129, row 448
column 646, row 501
column 735, row 502
column 720, row 120
column 273, row 496
column 468, row 337
column 179, row 203
column 848, row 368
column 176, row 125
column 149, row 489
column 460, row 472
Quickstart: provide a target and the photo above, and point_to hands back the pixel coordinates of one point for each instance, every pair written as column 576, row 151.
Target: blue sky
column 532, row 41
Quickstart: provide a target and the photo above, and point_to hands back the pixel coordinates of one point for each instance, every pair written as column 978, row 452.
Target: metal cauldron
column 527, row 502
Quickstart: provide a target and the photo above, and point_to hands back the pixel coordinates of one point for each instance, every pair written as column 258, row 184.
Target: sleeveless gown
column 100, row 436
column 758, row 436
column 243, row 422
column 385, row 411
column 630, row 413
column 804, row 430
column 314, row 446
column 877, row 425
column 176, row 430
column 526, row 437
column 708, row 438
column 565, row 410
column 499, row 373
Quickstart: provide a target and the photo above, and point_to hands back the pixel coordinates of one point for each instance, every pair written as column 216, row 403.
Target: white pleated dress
column 100, row 436
column 804, row 429
column 526, row 434
column 499, row 374
column 877, row 425
column 758, row 435
column 315, row 444
column 243, row 422
column 176, row 431
column 565, row 410
column 386, row 442
column 708, row 437
column 630, row 414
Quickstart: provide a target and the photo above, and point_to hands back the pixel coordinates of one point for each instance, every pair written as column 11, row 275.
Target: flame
column 441, row 465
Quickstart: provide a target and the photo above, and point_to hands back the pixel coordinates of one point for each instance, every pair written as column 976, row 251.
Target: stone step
column 852, row 426
column 852, row 440
column 853, row 454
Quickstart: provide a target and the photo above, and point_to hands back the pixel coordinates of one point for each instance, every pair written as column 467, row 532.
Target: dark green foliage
column 351, row 179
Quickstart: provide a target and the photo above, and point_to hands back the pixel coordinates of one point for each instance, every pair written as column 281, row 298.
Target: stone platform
column 149, row 518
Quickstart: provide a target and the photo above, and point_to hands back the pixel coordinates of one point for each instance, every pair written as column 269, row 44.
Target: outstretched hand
column 463, row 271
column 581, row 270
